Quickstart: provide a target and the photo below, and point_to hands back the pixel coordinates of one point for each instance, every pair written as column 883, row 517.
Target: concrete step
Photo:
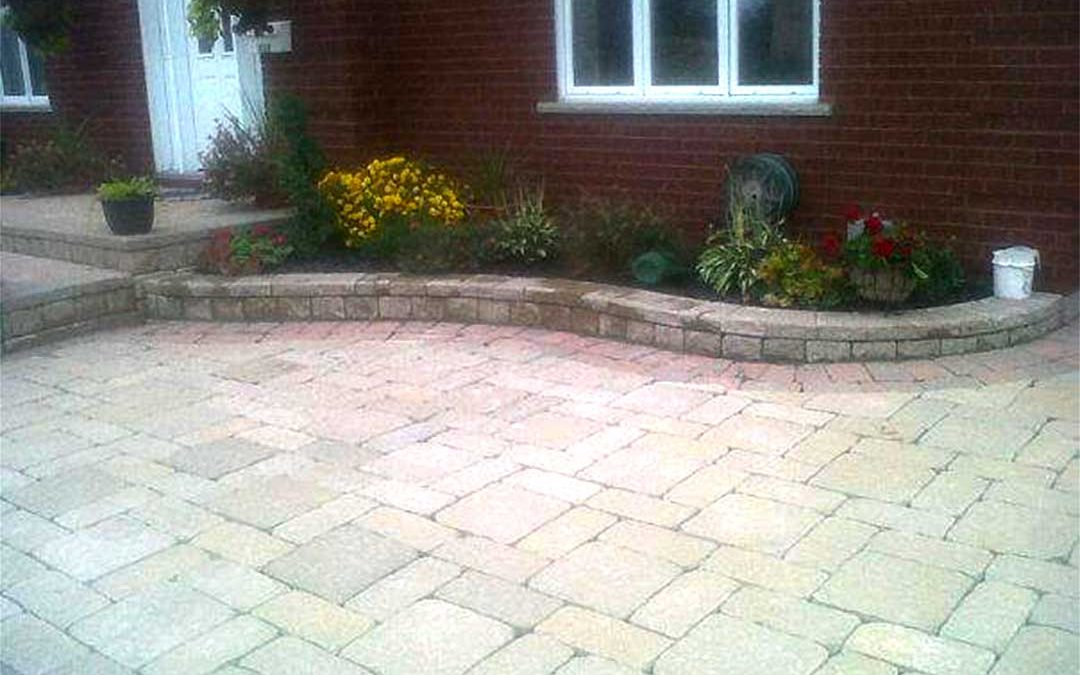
column 72, row 228
column 43, row 299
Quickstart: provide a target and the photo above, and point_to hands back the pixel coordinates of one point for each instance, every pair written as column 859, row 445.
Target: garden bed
column 643, row 317
column 336, row 261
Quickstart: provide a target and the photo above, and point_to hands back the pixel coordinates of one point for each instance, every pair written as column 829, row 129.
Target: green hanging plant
column 205, row 16
column 44, row 25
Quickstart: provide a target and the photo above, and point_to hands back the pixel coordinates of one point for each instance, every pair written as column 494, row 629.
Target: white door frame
column 165, row 50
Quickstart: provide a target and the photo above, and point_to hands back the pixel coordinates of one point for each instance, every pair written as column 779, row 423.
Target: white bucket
column 1014, row 272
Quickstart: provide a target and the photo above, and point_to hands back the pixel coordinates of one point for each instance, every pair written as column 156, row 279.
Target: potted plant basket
column 128, row 205
column 880, row 258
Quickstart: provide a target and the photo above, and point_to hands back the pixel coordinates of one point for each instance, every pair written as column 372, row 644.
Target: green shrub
column 426, row 245
column 792, row 275
column 731, row 261
column 605, row 235
column 124, row 190
column 301, row 164
column 248, row 250
column 64, row 161
column 241, row 163
column 942, row 276
column 526, row 234
column 491, row 179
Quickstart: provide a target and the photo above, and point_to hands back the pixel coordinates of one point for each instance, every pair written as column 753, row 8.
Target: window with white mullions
column 680, row 50
column 22, row 73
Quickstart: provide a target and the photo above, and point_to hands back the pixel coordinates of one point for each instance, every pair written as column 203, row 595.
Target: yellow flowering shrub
column 386, row 190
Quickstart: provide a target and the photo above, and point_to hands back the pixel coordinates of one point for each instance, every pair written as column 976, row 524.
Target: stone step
column 42, row 299
column 72, row 228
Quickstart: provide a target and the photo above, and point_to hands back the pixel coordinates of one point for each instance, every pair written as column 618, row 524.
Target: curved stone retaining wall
column 642, row 317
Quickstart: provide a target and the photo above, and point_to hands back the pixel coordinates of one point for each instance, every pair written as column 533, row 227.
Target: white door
column 215, row 82
column 191, row 84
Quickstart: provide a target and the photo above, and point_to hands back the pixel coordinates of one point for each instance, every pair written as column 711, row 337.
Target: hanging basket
column 890, row 285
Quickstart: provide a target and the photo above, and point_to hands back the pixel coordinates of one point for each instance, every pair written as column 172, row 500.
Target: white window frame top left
column 28, row 100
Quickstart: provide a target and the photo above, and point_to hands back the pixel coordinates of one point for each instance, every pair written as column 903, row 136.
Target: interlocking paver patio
column 404, row 497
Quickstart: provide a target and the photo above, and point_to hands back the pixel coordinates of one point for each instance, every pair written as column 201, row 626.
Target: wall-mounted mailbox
column 278, row 40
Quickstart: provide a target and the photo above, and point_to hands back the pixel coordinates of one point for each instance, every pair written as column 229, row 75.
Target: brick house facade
column 961, row 116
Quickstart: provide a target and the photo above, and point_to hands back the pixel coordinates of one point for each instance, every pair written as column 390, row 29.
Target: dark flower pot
column 129, row 216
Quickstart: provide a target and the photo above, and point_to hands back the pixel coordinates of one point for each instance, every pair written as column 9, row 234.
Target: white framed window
column 688, row 51
column 22, row 73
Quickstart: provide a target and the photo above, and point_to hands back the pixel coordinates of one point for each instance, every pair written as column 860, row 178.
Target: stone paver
column 144, row 626
column 431, row 637
column 909, row 648
column 752, row 522
column 1037, row 649
column 608, row 578
column 897, row 590
column 532, row 654
column 684, row 602
column 1007, row 528
column 990, row 615
column 93, row 552
column 314, row 619
column 520, row 607
column 292, row 656
column 603, row 635
column 57, row 598
column 722, row 644
column 205, row 653
column 402, row 588
column 389, row 498
column 788, row 614
column 341, row 563
column 503, row 513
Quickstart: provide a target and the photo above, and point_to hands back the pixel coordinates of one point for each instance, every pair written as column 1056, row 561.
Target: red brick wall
column 958, row 115
column 337, row 66
column 100, row 79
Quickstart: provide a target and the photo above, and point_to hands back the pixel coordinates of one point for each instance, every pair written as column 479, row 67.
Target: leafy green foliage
column 730, row 263
column 247, row 251
column 43, row 24
column 604, row 236
column 492, row 175
column 300, row 164
column 64, row 161
column 527, row 234
column 205, row 16
column 240, row 162
column 140, row 187
column 276, row 162
column 941, row 275
column 792, row 275
column 426, row 245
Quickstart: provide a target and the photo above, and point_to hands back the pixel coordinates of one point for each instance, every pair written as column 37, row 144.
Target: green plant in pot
column 128, row 205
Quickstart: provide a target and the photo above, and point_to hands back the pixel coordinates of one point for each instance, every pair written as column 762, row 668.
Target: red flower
column 882, row 247
column 279, row 239
column 874, row 225
column 830, row 243
column 261, row 230
column 906, row 250
column 852, row 212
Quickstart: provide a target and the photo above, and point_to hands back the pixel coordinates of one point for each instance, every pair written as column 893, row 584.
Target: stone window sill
column 779, row 109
